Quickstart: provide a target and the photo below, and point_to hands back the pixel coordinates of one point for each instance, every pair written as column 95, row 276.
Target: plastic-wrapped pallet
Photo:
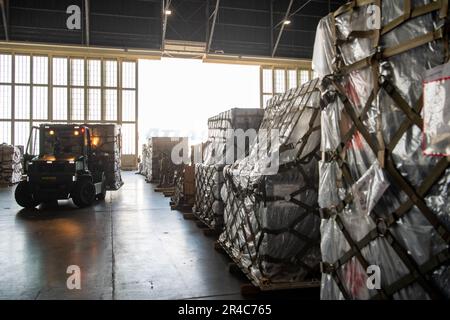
column 271, row 216
column 209, row 175
column 160, row 166
column 146, row 165
column 385, row 209
column 10, row 164
column 107, row 152
column 184, row 192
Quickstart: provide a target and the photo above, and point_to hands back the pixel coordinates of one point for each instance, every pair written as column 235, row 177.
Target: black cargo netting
column 177, row 197
column 271, row 220
column 209, row 206
column 383, row 202
column 11, row 159
column 208, row 202
column 181, row 196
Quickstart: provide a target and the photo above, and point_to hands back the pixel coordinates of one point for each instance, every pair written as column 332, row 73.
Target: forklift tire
column 24, row 197
column 83, row 194
column 101, row 196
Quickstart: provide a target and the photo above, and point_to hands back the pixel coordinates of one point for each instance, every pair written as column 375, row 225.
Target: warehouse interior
column 224, row 150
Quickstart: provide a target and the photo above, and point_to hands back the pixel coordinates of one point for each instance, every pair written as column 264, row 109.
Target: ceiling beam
column 214, row 17
column 286, row 17
column 165, row 7
column 86, row 20
column 5, row 22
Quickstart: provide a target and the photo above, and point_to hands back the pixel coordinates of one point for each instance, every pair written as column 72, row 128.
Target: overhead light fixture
column 168, row 12
column 286, row 22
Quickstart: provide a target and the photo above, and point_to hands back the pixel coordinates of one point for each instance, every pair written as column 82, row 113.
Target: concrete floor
column 132, row 246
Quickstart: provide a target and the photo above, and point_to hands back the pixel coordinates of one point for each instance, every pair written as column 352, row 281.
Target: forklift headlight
column 74, row 178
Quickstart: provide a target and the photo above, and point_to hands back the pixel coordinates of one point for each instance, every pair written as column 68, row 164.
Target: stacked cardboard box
column 271, row 214
column 386, row 218
column 185, row 189
column 220, row 149
column 10, row 164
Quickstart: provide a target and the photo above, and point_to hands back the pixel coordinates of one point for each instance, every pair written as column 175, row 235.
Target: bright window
column 77, row 105
column 280, row 81
column 22, row 102
column 60, row 71
column 60, row 103
column 22, row 69
column 40, row 70
column 40, row 103
column 5, row 102
column 94, row 104
column 111, row 105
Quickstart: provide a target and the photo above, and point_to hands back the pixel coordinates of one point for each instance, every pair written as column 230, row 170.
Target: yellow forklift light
column 76, row 133
column 95, row 141
column 51, row 132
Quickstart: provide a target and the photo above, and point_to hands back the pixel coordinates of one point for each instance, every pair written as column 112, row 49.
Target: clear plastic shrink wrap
column 385, row 205
column 10, row 164
column 271, row 227
column 209, row 179
column 107, row 152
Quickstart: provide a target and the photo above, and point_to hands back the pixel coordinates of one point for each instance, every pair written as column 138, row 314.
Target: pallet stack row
column 10, row 164
column 271, row 221
column 221, row 148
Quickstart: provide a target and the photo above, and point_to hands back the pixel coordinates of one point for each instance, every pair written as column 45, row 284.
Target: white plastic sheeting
column 384, row 203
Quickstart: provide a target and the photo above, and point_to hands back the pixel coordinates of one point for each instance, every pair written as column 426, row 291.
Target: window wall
column 36, row 89
column 275, row 81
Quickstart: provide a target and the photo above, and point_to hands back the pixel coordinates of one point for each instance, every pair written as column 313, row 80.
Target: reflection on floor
column 131, row 246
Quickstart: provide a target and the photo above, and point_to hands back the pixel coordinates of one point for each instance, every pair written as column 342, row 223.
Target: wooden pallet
column 263, row 285
column 183, row 208
column 164, row 189
column 207, row 229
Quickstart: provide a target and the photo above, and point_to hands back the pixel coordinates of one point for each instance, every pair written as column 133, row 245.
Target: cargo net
column 209, row 206
column 145, row 166
column 177, row 197
column 385, row 208
column 184, row 187
column 208, row 201
column 10, row 164
column 271, row 220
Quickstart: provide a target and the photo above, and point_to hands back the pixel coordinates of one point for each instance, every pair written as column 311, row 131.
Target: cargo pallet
column 166, row 191
column 207, row 229
column 264, row 285
column 184, row 208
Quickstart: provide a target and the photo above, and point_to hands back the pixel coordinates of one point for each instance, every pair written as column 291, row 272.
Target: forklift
column 61, row 163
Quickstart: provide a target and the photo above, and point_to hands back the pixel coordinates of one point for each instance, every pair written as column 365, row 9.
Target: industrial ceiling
column 235, row 27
